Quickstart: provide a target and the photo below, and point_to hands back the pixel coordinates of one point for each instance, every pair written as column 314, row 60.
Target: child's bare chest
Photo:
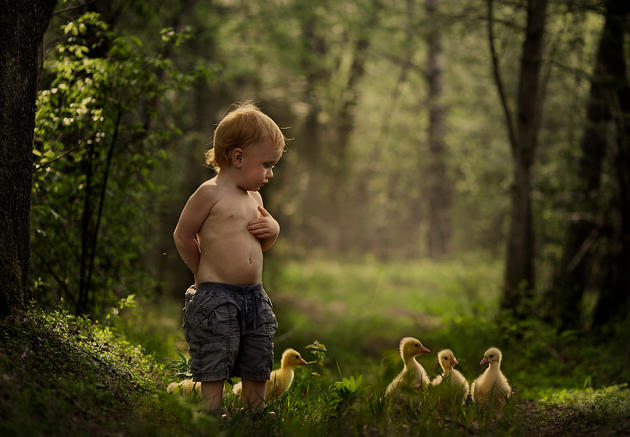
column 234, row 212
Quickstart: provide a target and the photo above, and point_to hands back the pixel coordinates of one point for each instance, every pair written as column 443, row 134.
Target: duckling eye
column 491, row 356
column 296, row 356
column 445, row 358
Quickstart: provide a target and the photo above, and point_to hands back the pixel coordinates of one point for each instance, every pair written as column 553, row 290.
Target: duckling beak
column 484, row 361
column 424, row 350
column 303, row 362
column 454, row 361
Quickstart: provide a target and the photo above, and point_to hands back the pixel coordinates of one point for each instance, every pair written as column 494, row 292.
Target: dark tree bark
column 439, row 186
column 572, row 274
column 523, row 135
column 22, row 26
column 615, row 294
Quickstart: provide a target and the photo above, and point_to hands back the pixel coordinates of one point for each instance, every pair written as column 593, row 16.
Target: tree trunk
column 614, row 296
column 519, row 268
column 22, row 27
column 344, row 127
column 439, row 186
column 571, row 276
column 310, row 162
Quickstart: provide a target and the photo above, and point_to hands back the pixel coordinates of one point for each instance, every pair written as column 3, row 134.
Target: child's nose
column 270, row 173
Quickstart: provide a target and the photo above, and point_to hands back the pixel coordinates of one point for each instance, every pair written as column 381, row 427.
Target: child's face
column 257, row 164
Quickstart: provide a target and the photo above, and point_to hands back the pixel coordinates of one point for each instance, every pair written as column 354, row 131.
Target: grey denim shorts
column 229, row 330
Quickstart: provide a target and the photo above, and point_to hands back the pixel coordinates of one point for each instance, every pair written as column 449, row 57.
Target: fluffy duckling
column 491, row 386
column 451, row 378
column 184, row 387
column 280, row 379
column 413, row 376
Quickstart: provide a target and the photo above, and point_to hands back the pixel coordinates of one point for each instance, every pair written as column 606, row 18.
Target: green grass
column 71, row 376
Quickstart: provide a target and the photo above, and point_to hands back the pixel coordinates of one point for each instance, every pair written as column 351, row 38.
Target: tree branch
column 71, row 8
column 499, row 82
column 46, row 164
column 110, row 153
column 584, row 248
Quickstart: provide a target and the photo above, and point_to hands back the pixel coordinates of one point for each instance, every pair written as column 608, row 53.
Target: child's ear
column 237, row 157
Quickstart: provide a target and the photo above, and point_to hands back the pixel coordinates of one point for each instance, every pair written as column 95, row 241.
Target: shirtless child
column 221, row 235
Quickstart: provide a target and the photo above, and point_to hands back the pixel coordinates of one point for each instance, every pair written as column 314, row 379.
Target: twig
column 46, row 164
column 70, row 8
column 586, row 245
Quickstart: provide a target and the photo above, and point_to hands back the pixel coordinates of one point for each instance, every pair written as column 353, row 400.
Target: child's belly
column 235, row 259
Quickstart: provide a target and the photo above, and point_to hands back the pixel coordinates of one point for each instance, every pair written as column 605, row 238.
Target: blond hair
column 243, row 126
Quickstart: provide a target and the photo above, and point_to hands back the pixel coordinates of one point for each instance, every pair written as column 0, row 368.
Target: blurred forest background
column 419, row 129
column 456, row 170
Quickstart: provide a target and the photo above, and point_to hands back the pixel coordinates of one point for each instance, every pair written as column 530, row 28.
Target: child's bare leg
column 211, row 393
column 253, row 395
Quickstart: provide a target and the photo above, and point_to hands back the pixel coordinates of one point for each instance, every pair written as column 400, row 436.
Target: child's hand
column 265, row 226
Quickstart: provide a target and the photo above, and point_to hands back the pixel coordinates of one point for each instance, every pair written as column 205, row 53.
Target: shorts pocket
column 266, row 316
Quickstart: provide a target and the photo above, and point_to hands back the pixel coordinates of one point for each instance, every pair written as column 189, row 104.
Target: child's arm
column 192, row 217
column 265, row 228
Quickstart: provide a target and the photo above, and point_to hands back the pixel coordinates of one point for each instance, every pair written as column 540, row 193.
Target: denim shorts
column 229, row 330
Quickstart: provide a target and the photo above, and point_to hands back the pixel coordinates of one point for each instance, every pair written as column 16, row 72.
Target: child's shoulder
column 207, row 190
column 256, row 195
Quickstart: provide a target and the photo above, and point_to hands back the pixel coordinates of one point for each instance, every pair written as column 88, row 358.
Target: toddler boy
column 221, row 235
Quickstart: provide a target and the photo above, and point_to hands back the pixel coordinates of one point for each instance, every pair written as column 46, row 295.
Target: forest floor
column 566, row 421
column 64, row 375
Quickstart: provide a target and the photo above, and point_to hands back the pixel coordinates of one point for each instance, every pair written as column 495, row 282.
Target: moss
column 60, row 374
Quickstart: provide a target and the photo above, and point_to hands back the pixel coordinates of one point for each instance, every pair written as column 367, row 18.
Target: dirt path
column 546, row 420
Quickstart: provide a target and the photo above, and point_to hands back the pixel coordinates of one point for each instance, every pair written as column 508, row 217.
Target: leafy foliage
column 95, row 152
column 318, row 350
column 180, row 368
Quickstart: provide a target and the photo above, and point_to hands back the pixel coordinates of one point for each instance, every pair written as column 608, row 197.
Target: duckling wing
column 279, row 382
column 394, row 385
column 478, row 391
column 460, row 381
column 425, row 378
column 457, row 379
column 503, row 385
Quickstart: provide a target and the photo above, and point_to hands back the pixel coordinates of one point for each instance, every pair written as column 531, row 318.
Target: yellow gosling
column 451, row 378
column 492, row 387
column 280, row 379
column 185, row 387
column 413, row 377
